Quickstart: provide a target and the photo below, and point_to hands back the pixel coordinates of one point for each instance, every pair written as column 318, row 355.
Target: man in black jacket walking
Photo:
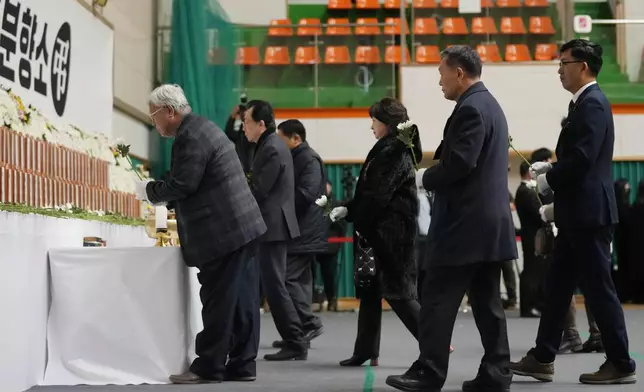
column 309, row 186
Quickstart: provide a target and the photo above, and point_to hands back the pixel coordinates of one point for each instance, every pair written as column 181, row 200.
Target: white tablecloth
column 120, row 316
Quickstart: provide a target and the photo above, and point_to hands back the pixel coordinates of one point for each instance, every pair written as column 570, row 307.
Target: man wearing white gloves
column 585, row 216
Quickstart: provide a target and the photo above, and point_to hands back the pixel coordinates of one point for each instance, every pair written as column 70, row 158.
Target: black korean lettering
column 27, row 26
column 8, row 37
column 60, row 63
column 42, row 61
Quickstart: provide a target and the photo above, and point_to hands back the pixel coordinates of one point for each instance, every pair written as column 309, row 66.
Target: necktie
column 571, row 106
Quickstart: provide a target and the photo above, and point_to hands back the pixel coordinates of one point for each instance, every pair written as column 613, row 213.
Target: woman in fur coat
column 384, row 211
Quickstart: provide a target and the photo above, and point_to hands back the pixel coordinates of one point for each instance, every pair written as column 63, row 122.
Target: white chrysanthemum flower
column 405, row 125
column 322, row 201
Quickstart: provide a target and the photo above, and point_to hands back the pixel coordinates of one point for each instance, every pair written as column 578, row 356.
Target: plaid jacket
column 216, row 211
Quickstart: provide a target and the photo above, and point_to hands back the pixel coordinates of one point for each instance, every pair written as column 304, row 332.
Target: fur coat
column 384, row 210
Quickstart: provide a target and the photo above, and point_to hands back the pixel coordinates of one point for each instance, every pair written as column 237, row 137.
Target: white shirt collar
column 581, row 90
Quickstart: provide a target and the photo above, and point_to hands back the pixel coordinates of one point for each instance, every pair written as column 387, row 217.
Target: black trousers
column 367, row 343
column 229, row 295
column 510, row 280
column 443, row 291
column 582, row 257
column 299, row 283
column 272, row 265
column 328, row 266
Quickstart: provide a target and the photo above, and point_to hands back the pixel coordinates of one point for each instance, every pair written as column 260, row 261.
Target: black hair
column 293, row 127
column 587, row 51
column 524, row 169
column 262, row 111
column 464, row 57
column 392, row 112
column 541, row 155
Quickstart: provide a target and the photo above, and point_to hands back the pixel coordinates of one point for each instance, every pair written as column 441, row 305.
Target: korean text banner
column 57, row 56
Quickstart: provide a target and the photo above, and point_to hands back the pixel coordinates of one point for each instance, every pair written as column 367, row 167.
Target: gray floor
column 321, row 372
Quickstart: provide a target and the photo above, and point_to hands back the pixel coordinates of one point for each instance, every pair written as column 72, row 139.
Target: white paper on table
column 118, row 316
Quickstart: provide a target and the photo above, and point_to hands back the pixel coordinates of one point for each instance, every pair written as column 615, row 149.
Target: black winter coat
column 384, row 210
column 310, row 184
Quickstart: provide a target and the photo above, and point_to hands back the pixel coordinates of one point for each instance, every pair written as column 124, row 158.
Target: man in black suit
column 309, row 186
column 219, row 223
column 527, row 205
column 585, row 212
column 273, row 185
column 471, row 207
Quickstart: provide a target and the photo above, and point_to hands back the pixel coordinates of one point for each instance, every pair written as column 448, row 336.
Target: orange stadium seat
column 508, row 3
column 331, row 29
column 421, row 4
column 487, row 3
column 280, row 28
column 307, row 55
column 277, row 55
column 489, row 53
column 367, row 55
column 546, row 52
column 483, row 25
column 247, row 55
column 393, row 4
column 449, row 3
column 309, row 27
column 361, row 29
column 337, row 55
column 512, row 25
column 368, row 4
column 517, row 53
column 537, row 3
column 394, row 27
column 393, row 55
column 428, row 54
column 426, row 26
column 541, row 25
column 454, row 26
column 339, row 5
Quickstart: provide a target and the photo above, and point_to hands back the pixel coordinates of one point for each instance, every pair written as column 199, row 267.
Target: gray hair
column 170, row 95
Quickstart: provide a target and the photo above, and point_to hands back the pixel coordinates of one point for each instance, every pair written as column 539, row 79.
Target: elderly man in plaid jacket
column 219, row 223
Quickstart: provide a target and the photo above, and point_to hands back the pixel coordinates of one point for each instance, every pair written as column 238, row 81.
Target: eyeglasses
column 155, row 112
column 564, row 62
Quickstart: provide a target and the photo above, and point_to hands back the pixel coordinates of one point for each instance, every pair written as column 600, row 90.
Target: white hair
column 170, row 95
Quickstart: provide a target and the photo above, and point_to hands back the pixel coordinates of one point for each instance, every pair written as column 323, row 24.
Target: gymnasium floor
column 398, row 350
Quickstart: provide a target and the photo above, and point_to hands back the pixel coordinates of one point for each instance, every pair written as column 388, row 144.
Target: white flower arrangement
column 406, row 133
column 29, row 121
column 405, row 125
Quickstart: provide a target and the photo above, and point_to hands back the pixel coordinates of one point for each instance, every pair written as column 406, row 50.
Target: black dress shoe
column 312, row 334
column 239, row 375
column 478, row 385
column 570, row 344
column 592, row 345
column 413, row 380
column 356, row 361
column 282, row 344
column 191, row 378
column 287, row 354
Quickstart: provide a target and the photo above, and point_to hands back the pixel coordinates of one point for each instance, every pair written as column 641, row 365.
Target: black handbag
column 364, row 274
column 544, row 241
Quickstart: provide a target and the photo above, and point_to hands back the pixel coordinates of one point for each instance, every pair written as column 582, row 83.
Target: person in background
column 508, row 273
column 219, row 224
column 309, row 186
column 273, row 185
column 621, row 239
column 527, row 207
column 328, row 260
column 585, row 213
column 235, row 131
column 636, row 251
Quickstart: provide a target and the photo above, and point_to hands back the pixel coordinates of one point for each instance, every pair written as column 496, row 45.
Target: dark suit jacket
column 582, row 178
column 527, row 204
column 310, row 184
column 273, row 185
column 471, row 219
column 216, row 212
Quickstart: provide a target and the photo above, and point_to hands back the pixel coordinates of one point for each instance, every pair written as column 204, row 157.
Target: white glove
column 419, row 178
column 542, row 184
column 555, row 231
column 547, row 212
column 338, row 213
column 139, row 189
column 539, row 168
column 321, row 202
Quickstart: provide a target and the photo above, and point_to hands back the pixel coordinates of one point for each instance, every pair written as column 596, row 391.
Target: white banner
column 57, row 57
